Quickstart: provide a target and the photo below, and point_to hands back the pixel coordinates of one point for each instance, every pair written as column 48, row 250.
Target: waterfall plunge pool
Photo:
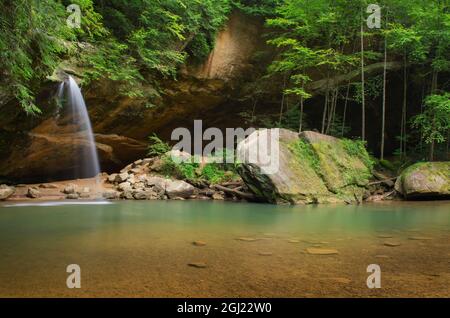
column 247, row 250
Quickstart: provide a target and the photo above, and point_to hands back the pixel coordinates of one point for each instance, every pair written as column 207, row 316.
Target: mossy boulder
column 425, row 180
column 313, row 168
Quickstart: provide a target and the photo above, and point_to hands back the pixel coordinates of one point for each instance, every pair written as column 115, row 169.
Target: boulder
column 127, row 168
column 122, row 177
column 127, row 195
column 156, row 165
column 157, row 182
column 69, row 189
column 144, row 195
column 124, row 186
column 111, row 195
column 179, row 189
column 84, row 193
column 311, row 168
column 6, row 192
column 112, row 178
column 139, row 186
column 425, row 180
column 72, row 196
column 33, row 193
column 131, row 179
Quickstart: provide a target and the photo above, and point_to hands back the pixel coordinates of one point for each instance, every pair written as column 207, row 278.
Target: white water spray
column 87, row 155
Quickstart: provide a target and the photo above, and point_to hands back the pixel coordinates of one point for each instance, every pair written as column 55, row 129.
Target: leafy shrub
column 157, row 147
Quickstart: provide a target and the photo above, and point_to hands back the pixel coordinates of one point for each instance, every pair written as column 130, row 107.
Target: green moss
column 387, row 164
column 304, row 152
column 342, row 167
column 210, row 172
column 305, row 165
column 357, row 148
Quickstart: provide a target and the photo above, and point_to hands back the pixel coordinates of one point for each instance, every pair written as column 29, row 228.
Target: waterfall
column 85, row 152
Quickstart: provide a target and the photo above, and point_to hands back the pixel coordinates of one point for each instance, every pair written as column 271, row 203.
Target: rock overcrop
column 143, row 180
column 425, row 180
column 311, row 168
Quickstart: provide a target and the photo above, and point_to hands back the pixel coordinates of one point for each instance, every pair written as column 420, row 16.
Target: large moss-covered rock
column 425, row 180
column 313, row 168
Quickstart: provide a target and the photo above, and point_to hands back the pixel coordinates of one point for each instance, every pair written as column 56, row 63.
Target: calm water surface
column 253, row 250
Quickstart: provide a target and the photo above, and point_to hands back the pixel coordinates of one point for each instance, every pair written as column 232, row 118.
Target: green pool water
column 143, row 249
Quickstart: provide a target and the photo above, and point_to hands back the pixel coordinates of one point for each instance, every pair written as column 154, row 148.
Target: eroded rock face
column 234, row 46
column 43, row 151
column 425, row 180
column 313, row 168
column 57, row 156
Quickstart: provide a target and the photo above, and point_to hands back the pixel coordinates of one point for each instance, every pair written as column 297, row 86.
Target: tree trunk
column 363, row 115
column 325, row 108
column 383, row 116
column 253, row 110
column 404, row 121
column 330, row 112
column 434, row 82
column 421, row 112
column 301, row 115
column 448, row 144
column 432, row 151
column 334, row 107
column 345, row 109
column 282, row 100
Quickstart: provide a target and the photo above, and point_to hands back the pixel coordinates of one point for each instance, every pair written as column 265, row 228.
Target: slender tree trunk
column 330, row 113
column 434, row 82
column 325, row 108
column 363, row 116
column 282, row 100
column 433, row 90
column 421, row 112
column 448, row 144
column 334, row 107
column 432, row 150
column 332, row 110
column 345, row 109
column 404, row 120
column 253, row 110
column 383, row 116
column 301, row 115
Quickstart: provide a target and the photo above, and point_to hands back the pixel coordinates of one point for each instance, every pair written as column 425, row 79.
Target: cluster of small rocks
column 141, row 181
column 73, row 192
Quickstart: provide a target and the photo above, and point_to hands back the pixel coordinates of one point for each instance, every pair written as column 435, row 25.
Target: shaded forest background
column 321, row 67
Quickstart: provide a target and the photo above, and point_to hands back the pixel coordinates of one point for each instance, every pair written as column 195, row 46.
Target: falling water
column 86, row 154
